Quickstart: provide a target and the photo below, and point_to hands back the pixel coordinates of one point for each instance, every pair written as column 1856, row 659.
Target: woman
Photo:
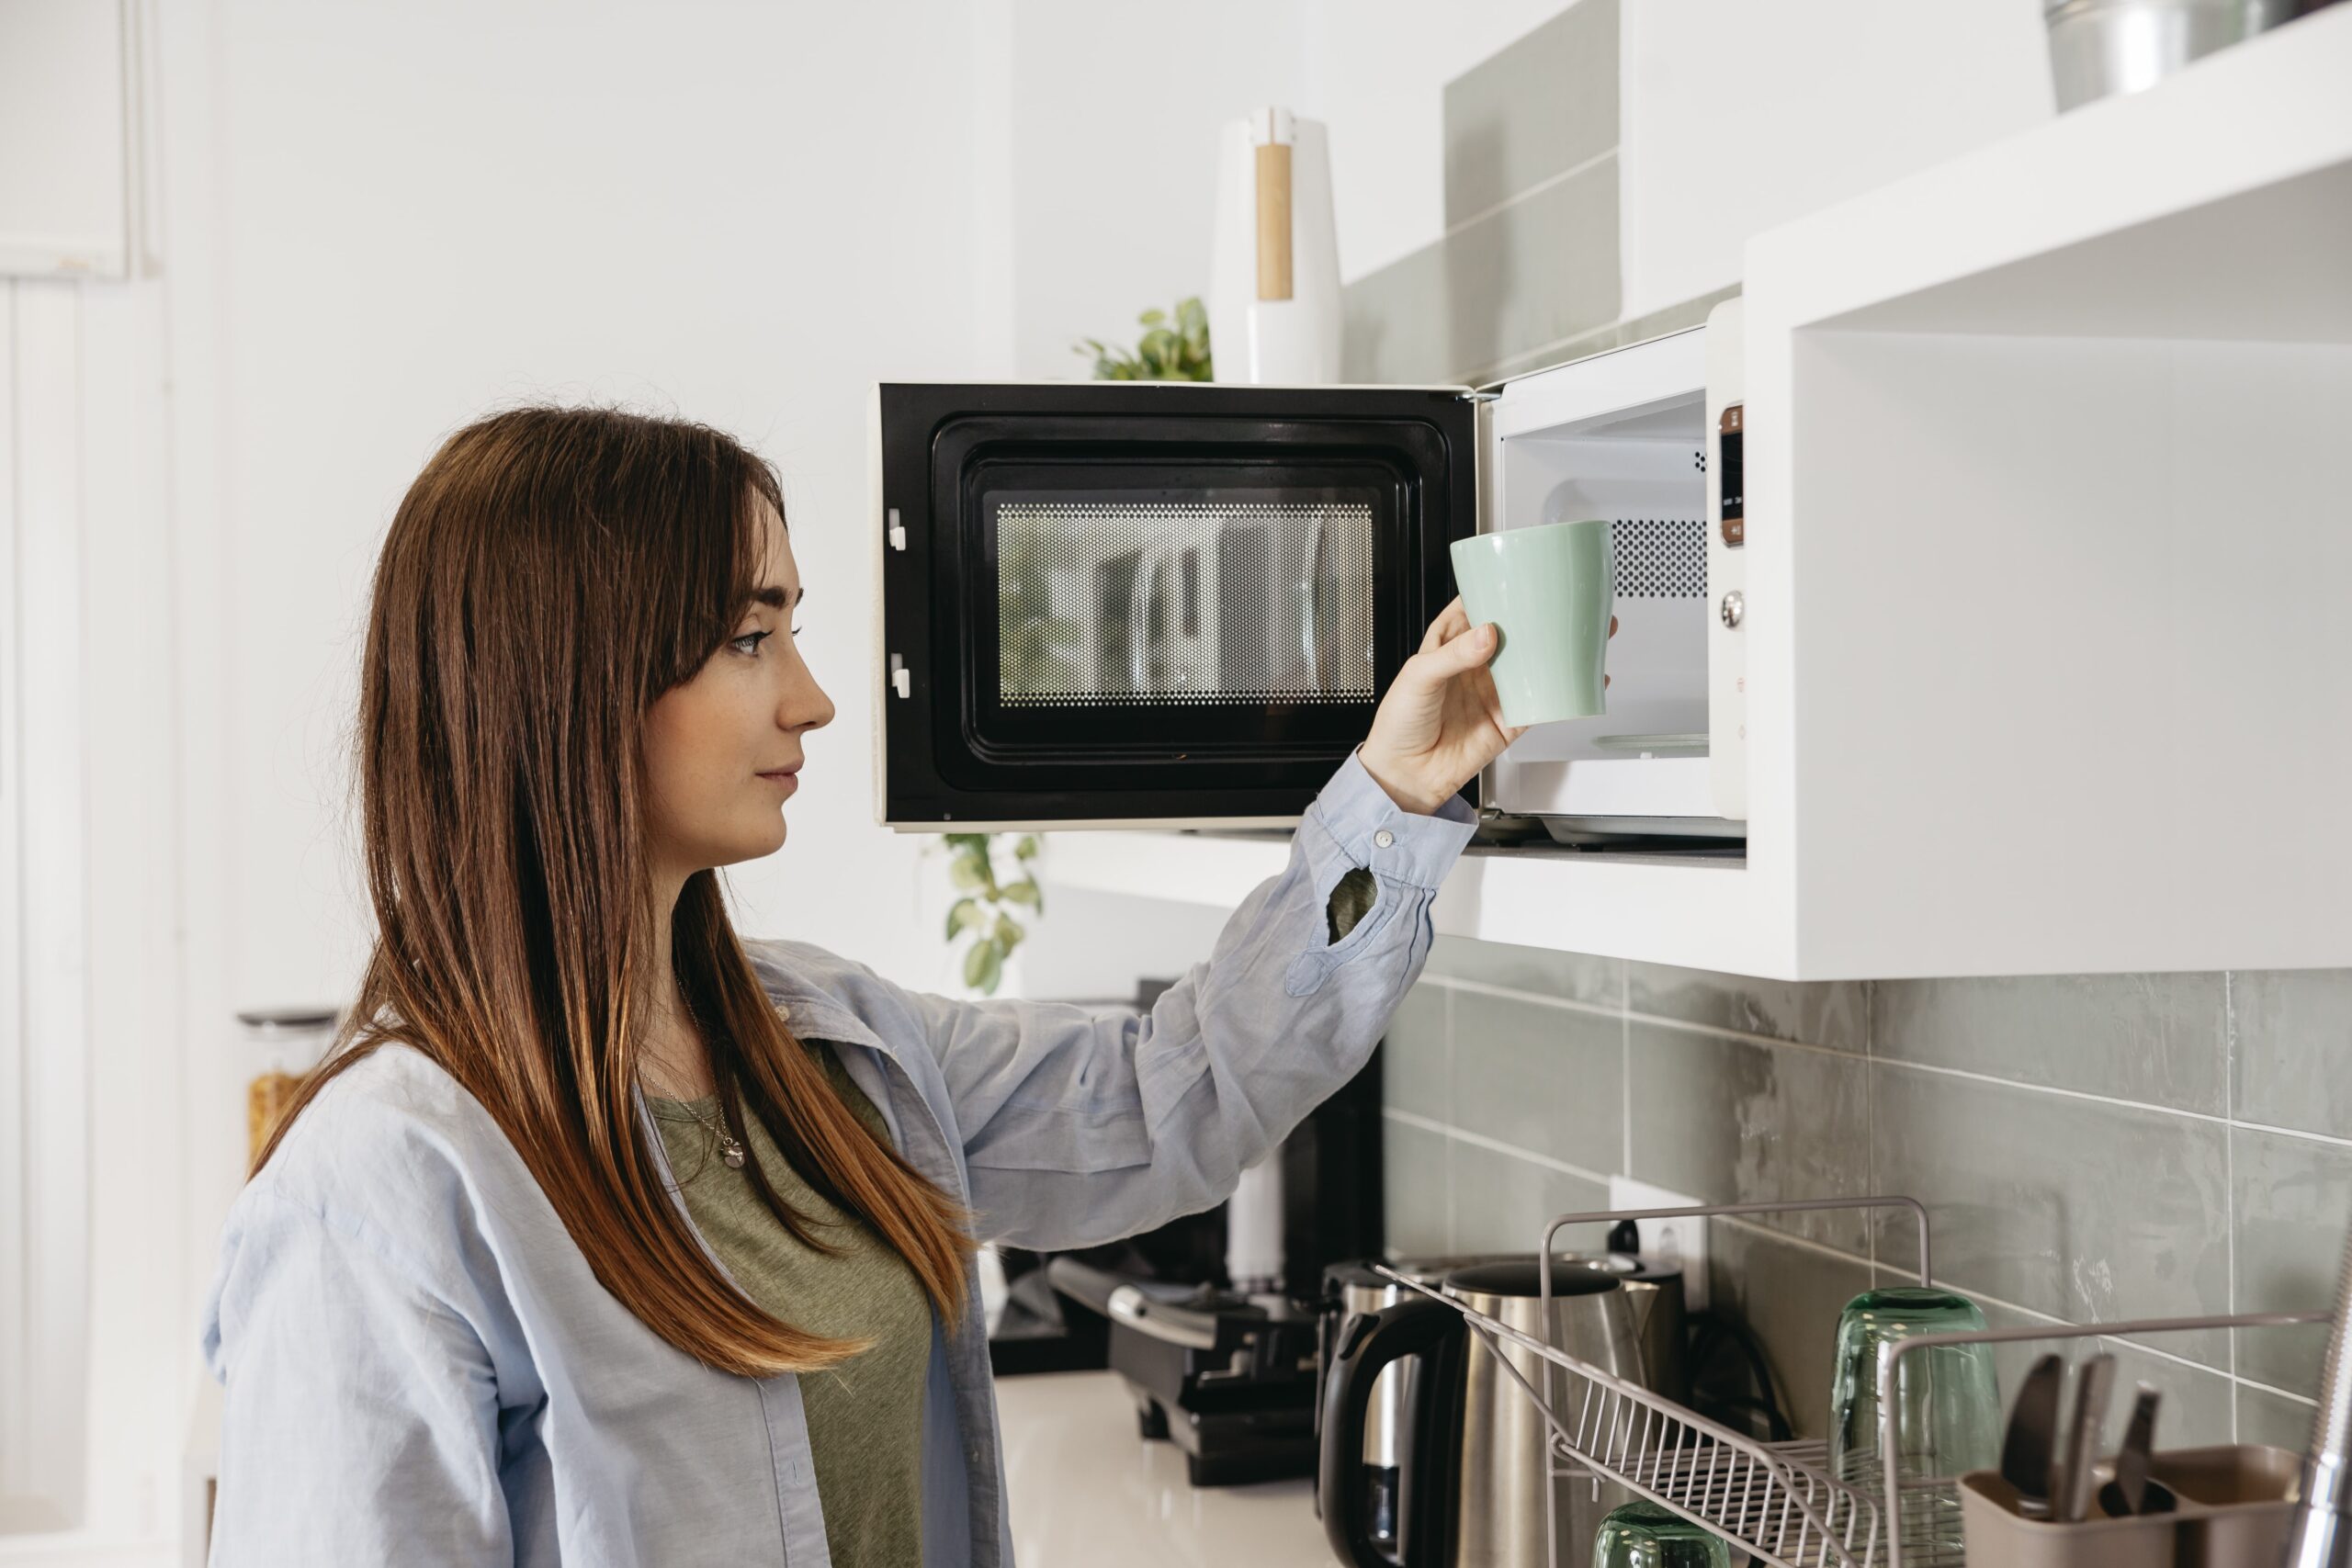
column 605, row 1237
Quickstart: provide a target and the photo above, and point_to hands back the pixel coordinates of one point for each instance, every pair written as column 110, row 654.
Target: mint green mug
column 1548, row 590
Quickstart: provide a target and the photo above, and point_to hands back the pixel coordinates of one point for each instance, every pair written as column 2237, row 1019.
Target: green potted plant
column 1170, row 350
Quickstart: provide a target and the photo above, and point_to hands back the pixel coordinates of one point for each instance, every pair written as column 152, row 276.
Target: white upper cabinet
column 2041, row 650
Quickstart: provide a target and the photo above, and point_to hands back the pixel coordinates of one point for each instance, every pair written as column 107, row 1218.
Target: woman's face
column 723, row 750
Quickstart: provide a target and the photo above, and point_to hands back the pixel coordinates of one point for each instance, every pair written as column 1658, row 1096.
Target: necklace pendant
column 732, row 1152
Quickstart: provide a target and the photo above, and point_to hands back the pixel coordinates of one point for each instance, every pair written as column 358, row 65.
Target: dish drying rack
column 1777, row 1502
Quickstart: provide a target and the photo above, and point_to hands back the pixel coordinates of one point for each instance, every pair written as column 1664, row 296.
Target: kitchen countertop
column 1084, row 1489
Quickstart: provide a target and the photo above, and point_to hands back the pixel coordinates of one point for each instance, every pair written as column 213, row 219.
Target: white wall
column 1737, row 117
column 741, row 213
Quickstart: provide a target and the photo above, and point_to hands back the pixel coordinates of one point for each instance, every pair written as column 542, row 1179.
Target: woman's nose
column 807, row 707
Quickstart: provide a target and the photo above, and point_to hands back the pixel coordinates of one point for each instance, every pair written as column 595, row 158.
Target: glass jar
column 289, row 1043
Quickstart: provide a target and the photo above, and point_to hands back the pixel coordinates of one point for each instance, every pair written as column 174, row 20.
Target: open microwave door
column 1139, row 604
column 1623, row 435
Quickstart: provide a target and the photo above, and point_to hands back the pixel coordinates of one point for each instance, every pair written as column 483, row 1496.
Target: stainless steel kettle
column 1354, row 1289
column 1473, row 1472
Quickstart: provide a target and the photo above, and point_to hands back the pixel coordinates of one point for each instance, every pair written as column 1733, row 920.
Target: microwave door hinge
column 896, row 532
column 1486, row 394
column 902, row 680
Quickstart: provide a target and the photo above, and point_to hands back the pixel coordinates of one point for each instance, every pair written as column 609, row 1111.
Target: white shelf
column 1611, row 904
column 2047, row 555
column 2218, row 206
column 1184, row 868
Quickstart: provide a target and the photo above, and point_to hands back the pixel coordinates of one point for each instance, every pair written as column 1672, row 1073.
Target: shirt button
column 783, row 1011
column 1384, row 837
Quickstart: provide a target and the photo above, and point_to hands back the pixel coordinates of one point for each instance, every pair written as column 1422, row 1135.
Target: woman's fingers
column 1454, row 620
column 1467, row 650
column 1451, row 622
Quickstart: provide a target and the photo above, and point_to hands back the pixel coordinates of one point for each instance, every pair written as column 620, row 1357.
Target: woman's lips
column 788, row 777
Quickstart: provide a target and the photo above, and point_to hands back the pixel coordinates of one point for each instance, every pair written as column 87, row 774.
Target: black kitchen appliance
column 1231, row 1378
column 1139, row 600
column 1122, row 603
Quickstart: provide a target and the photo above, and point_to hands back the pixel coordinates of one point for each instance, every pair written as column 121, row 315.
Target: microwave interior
column 1642, row 767
column 1181, row 605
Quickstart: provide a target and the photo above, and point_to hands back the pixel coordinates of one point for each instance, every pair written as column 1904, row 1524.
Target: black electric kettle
column 1474, row 1463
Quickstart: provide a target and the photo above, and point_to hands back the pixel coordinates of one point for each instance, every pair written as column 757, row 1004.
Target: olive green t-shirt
column 865, row 1414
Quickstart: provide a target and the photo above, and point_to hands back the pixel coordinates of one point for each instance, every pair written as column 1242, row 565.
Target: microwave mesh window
column 1661, row 558
column 1110, row 601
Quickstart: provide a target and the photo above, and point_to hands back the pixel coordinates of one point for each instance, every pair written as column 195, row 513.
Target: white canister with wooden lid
column 1274, row 272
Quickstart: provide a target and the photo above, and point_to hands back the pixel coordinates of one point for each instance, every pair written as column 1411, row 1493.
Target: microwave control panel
column 1726, row 536
column 1731, row 510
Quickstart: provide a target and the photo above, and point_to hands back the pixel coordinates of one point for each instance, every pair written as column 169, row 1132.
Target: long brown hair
column 548, row 575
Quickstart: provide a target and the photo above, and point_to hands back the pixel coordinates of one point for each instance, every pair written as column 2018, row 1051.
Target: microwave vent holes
column 1661, row 558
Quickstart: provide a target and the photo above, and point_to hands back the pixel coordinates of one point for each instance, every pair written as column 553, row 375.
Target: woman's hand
column 1441, row 722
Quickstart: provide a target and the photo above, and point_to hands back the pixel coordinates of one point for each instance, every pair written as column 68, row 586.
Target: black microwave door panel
column 1133, row 601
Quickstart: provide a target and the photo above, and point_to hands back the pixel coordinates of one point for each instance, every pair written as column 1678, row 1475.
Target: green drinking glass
column 1642, row 1535
column 1947, row 1410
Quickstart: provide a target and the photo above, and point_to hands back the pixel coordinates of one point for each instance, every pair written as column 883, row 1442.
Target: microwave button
column 1734, row 608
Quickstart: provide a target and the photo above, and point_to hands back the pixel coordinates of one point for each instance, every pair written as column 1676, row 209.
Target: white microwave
column 1163, row 605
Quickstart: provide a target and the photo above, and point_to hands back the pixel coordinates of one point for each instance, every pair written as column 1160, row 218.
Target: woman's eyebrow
column 776, row 599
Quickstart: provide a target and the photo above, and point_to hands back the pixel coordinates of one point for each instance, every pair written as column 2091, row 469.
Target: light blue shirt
column 421, row 1369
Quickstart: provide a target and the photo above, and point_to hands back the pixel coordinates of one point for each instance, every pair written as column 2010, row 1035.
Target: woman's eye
column 750, row 642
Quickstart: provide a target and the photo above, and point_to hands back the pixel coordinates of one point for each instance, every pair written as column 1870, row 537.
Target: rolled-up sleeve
column 359, row 1423
column 1080, row 1127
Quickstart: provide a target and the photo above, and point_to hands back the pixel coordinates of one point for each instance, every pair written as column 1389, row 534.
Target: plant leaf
column 1008, row 932
column 969, row 871
column 1025, row 848
column 964, row 915
column 984, row 967
column 1022, row 892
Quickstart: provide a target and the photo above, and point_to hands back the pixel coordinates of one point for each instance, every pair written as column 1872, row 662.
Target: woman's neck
column 671, row 1061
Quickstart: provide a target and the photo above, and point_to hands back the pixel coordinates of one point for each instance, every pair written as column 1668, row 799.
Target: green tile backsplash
column 2047, row 1204
column 2079, row 1209
column 1532, row 112
column 2292, row 1064
column 1542, row 269
column 2154, row 1032
column 1540, row 1076
column 1773, row 1121
column 2090, row 1146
